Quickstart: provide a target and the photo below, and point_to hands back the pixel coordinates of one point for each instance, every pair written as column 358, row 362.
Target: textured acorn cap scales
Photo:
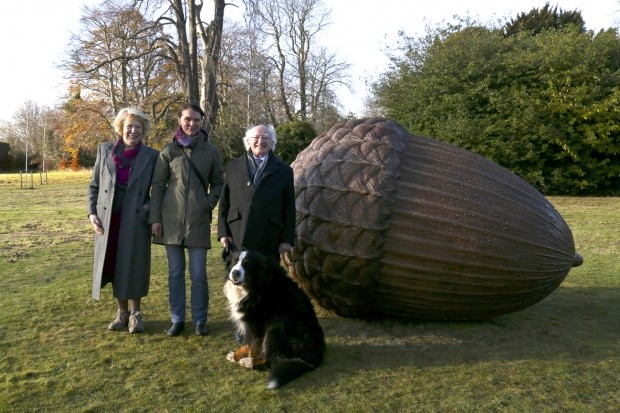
column 393, row 223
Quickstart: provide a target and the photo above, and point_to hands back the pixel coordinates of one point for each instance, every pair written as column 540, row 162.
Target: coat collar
column 273, row 164
column 140, row 163
column 108, row 160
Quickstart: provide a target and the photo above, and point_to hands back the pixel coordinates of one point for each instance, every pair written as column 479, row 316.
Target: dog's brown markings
column 245, row 351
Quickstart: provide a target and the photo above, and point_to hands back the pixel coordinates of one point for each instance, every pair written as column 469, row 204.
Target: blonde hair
column 271, row 131
column 131, row 113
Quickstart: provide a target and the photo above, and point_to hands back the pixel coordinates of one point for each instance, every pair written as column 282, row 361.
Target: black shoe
column 176, row 329
column 201, row 330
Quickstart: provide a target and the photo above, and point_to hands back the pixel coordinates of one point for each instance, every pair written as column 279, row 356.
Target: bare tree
column 305, row 73
column 241, row 98
column 25, row 133
column 115, row 57
column 192, row 46
column 325, row 74
column 212, row 40
column 115, row 60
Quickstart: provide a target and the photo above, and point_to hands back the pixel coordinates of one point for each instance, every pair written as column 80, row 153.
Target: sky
column 33, row 39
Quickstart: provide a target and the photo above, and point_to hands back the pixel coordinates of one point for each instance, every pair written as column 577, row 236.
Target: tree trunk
column 212, row 40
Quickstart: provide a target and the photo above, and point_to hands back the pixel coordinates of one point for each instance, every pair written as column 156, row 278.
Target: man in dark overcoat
column 257, row 202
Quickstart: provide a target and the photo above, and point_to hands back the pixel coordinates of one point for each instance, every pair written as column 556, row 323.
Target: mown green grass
column 560, row 355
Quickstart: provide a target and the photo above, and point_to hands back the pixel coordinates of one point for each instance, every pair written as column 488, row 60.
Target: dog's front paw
column 231, row 357
column 247, row 362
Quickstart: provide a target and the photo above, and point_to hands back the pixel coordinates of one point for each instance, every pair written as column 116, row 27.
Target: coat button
column 248, row 184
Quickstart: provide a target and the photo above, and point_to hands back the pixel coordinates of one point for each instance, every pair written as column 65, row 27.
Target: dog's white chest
column 234, row 294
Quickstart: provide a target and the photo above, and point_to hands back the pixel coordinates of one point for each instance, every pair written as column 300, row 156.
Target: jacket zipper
column 187, row 190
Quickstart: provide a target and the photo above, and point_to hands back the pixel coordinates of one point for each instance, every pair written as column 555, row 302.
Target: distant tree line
column 159, row 54
column 539, row 96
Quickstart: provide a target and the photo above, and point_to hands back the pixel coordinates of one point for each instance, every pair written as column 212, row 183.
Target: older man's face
column 260, row 142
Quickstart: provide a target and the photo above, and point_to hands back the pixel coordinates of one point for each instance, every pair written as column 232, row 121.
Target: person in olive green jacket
column 186, row 187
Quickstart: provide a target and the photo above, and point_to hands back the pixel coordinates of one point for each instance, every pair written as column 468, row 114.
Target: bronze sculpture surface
column 399, row 224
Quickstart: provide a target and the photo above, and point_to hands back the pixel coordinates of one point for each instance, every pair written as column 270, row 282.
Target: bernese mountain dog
column 274, row 318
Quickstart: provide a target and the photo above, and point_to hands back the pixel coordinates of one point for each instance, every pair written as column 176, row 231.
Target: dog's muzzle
column 236, row 276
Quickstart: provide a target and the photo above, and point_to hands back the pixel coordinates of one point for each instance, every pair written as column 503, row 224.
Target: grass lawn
column 56, row 355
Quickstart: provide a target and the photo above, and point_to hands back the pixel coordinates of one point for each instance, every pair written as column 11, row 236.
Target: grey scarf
column 256, row 168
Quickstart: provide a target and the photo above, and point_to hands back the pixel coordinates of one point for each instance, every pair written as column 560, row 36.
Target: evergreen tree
column 537, row 20
column 293, row 137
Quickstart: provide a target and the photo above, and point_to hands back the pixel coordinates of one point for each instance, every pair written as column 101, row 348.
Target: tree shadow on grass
column 159, row 327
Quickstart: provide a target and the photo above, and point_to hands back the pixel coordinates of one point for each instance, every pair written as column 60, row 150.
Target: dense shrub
column 545, row 106
column 293, row 137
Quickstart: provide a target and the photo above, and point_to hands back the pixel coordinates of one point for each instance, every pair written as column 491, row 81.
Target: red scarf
column 124, row 159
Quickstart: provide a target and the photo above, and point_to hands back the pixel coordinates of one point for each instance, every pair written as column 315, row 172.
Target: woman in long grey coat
column 118, row 209
column 186, row 188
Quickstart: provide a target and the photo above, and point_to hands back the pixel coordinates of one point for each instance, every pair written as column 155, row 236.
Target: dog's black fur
column 274, row 316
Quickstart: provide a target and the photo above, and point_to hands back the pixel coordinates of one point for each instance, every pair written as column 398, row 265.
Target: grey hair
column 270, row 130
column 123, row 114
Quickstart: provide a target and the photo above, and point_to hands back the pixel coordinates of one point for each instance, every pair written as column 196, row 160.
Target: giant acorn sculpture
column 397, row 224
